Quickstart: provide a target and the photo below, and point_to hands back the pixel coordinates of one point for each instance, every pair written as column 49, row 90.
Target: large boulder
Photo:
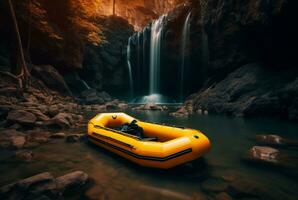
column 43, row 186
column 22, row 117
column 32, row 187
column 71, row 180
column 51, row 77
column 263, row 154
column 64, row 120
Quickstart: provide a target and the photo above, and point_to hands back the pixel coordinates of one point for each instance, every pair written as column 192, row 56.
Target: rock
column 64, row 120
column 58, row 135
column 24, row 155
column 182, row 112
column 275, row 140
column 38, row 135
column 149, row 106
column 43, row 186
column 51, row 77
column 18, row 141
column 113, row 105
column 39, row 115
column 214, row 185
column 71, row 180
column 21, row 117
column 13, row 139
column 263, row 154
column 75, row 138
column 32, row 187
column 123, row 106
column 98, row 108
column 223, row 196
column 91, row 96
column 53, row 110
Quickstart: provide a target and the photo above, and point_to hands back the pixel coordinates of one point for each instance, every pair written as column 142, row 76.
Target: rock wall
column 226, row 35
column 73, row 36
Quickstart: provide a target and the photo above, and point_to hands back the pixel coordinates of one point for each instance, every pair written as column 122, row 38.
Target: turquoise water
column 115, row 178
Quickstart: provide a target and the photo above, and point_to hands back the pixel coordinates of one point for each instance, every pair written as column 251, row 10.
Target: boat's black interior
column 135, row 130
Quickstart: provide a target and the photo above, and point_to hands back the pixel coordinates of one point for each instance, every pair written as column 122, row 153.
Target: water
column 153, row 98
column 116, row 178
column 86, row 85
column 129, row 66
column 155, row 47
column 184, row 52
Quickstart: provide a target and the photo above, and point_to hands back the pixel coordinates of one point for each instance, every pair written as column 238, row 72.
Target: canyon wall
column 243, row 58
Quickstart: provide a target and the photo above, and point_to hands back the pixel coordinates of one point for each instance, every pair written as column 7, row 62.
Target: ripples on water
column 115, row 178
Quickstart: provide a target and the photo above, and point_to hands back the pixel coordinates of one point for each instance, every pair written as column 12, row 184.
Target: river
column 115, row 178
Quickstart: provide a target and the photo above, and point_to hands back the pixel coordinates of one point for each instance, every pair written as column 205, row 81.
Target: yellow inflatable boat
column 160, row 146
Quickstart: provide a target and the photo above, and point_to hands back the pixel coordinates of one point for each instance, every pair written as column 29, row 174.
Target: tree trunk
column 114, row 7
column 19, row 69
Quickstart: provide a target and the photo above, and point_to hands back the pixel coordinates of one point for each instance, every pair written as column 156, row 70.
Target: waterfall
column 128, row 51
column 184, row 53
column 155, row 46
column 85, row 84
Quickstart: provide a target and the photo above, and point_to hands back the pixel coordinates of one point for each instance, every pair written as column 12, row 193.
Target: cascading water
column 129, row 66
column 144, row 61
column 184, row 53
column 155, row 46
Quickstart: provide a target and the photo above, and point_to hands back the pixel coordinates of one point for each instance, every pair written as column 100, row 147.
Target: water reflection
column 116, row 178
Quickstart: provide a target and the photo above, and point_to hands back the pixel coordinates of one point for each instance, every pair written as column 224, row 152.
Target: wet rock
column 30, row 188
column 182, row 112
column 123, row 106
column 38, row 135
column 263, row 154
column 21, row 117
column 149, row 106
column 214, row 185
column 75, row 138
column 24, row 155
column 43, row 186
column 275, row 140
column 71, row 181
column 12, row 139
column 223, row 196
column 64, row 120
column 58, row 135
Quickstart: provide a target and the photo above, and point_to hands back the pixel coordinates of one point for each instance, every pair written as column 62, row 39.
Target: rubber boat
column 162, row 146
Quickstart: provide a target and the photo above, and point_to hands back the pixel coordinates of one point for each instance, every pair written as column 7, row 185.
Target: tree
column 19, row 70
column 114, row 7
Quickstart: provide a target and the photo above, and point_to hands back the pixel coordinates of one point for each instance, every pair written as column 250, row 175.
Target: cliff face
column 137, row 12
column 228, row 38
